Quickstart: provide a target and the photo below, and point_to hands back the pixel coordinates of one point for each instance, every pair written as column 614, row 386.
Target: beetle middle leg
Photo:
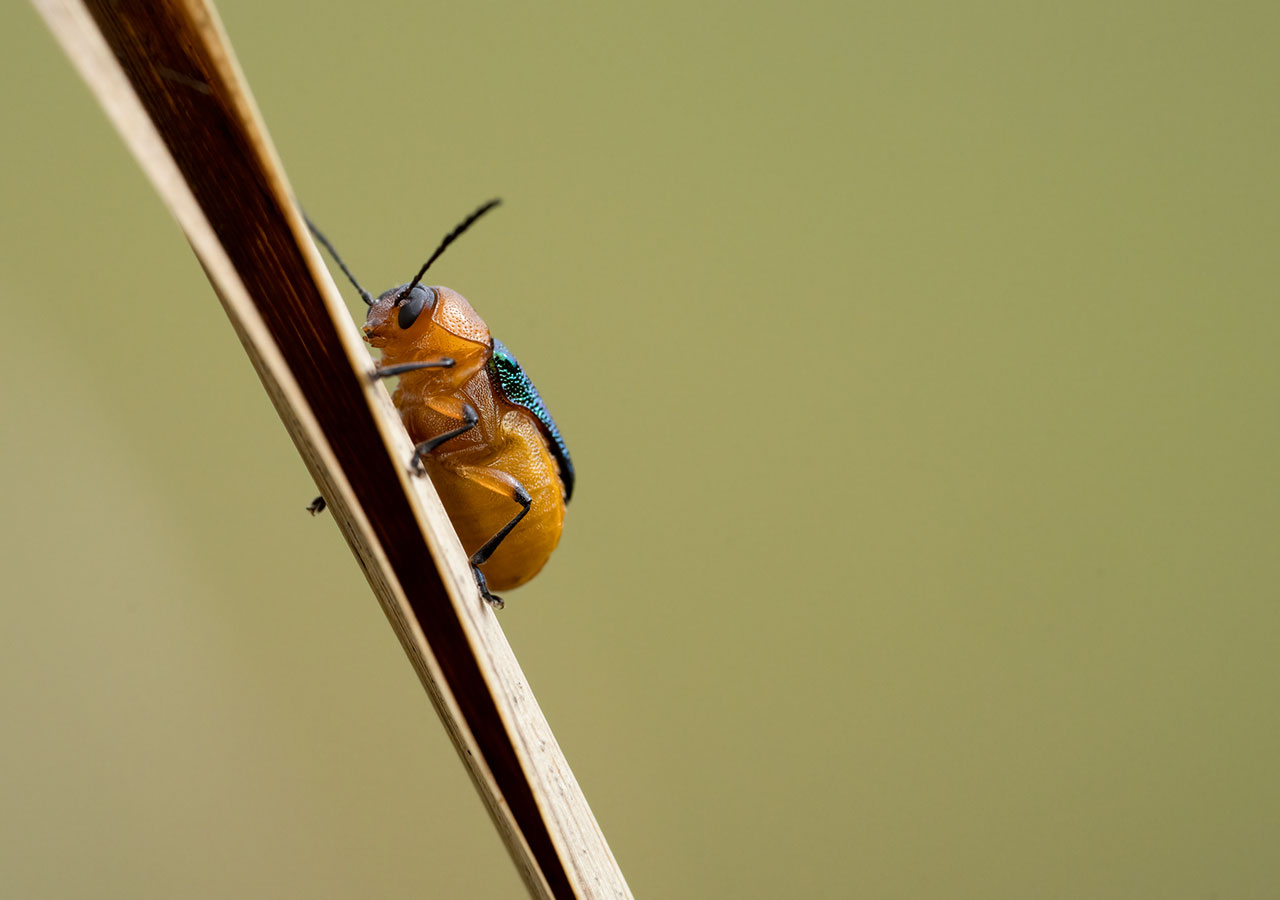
column 454, row 408
column 317, row 505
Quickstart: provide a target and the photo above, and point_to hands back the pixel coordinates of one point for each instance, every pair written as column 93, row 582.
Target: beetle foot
column 317, row 506
column 417, row 466
column 493, row 599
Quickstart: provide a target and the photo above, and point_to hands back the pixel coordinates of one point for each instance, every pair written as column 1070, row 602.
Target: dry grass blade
column 165, row 74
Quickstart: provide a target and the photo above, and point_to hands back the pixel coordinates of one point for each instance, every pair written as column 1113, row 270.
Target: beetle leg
column 492, row 599
column 443, row 362
column 481, row 556
column 470, row 418
column 317, row 505
column 500, row 483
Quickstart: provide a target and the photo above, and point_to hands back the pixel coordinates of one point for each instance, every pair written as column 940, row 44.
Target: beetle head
column 424, row 321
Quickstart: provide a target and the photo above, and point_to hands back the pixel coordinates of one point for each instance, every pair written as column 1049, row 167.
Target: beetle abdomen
column 477, row 512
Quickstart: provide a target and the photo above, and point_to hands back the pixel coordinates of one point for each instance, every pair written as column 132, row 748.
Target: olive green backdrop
column 920, row 366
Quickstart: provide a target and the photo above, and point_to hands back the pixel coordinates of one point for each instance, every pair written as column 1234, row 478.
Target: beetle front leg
column 380, row 372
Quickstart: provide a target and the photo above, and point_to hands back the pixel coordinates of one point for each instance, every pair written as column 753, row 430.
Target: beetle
column 480, row 429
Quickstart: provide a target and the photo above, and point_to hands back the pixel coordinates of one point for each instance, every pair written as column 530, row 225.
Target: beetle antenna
column 364, row 295
column 449, row 239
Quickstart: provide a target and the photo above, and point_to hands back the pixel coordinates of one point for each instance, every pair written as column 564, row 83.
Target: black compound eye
column 412, row 308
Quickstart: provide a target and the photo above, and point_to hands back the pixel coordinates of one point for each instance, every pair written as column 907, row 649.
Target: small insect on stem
column 479, row 426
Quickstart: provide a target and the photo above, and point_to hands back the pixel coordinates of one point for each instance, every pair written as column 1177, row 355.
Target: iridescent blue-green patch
column 519, row 390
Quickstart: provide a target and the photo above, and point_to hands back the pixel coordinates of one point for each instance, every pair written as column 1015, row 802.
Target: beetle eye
column 413, row 307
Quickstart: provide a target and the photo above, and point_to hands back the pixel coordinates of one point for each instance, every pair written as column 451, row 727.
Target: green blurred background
column 920, row 366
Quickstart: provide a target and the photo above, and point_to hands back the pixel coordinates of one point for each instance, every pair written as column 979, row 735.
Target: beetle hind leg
column 521, row 496
column 492, row 599
column 500, row 483
column 481, row 556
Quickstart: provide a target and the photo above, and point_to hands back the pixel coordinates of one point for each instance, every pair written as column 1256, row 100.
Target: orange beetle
column 482, row 433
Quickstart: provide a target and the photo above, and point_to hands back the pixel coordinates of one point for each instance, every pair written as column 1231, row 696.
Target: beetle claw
column 492, row 599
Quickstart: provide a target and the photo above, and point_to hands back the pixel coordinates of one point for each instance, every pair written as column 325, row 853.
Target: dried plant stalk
column 165, row 75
